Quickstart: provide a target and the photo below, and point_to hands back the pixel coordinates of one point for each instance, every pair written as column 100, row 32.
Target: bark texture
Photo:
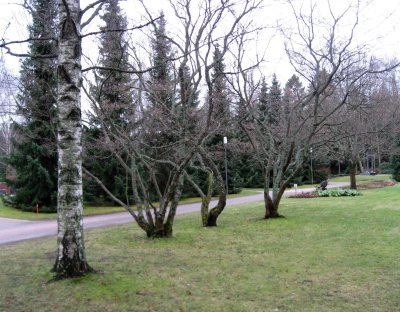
column 353, row 172
column 71, row 257
column 214, row 213
column 271, row 206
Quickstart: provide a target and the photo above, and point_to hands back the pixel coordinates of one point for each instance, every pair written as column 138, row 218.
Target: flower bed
column 337, row 193
column 327, row 193
column 304, row 195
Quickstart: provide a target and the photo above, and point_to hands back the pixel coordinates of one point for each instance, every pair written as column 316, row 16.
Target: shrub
column 386, row 168
column 395, row 162
column 337, row 193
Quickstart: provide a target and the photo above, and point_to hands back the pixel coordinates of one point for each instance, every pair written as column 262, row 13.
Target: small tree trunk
column 217, row 210
column 271, row 205
column 205, row 203
column 71, row 257
column 214, row 213
column 362, row 169
column 353, row 172
column 205, row 199
column 271, row 210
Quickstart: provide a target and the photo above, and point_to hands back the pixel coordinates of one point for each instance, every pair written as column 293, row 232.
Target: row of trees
column 7, row 90
column 157, row 119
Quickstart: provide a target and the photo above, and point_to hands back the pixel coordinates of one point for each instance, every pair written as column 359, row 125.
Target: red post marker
column 37, row 208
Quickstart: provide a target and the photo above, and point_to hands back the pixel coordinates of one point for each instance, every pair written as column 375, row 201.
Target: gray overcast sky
column 378, row 26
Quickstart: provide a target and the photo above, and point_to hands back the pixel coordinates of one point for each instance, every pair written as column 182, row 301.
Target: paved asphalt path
column 12, row 230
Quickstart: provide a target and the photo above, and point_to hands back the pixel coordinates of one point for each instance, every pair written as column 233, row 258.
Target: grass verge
column 9, row 212
column 363, row 178
column 329, row 254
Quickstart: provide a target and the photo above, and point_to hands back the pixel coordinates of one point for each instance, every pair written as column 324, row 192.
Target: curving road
column 12, row 230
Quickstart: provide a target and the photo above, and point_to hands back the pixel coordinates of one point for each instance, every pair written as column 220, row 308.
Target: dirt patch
column 375, row 184
column 304, row 195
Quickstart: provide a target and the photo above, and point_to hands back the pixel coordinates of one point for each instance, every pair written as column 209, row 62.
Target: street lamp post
column 226, row 164
column 312, row 173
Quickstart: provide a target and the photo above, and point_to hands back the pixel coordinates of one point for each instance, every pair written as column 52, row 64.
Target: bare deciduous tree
column 162, row 135
column 325, row 57
column 366, row 126
column 8, row 90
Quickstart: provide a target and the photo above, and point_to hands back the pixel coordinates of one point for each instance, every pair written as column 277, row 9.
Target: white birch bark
column 71, row 258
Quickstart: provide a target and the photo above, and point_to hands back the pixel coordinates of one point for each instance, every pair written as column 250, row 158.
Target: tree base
column 274, row 216
column 65, row 270
column 159, row 233
column 71, row 260
column 211, row 220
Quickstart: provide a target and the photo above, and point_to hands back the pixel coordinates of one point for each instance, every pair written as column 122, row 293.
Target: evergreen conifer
column 34, row 155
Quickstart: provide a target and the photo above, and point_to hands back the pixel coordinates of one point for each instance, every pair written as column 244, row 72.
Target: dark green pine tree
column 113, row 89
column 161, row 89
column 274, row 101
column 113, row 93
column 34, row 155
column 263, row 100
column 293, row 93
column 222, row 114
column 395, row 163
column 221, row 100
column 166, row 116
column 188, row 96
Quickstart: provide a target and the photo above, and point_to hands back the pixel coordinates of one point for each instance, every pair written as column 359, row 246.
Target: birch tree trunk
column 71, row 258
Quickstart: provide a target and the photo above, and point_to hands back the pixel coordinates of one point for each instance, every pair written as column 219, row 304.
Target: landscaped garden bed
column 338, row 192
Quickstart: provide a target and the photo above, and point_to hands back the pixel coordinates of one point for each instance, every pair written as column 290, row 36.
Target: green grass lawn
column 363, row 178
column 9, row 212
column 328, row 254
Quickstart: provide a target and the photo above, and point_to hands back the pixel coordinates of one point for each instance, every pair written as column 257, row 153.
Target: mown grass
column 328, row 254
column 9, row 212
column 363, row 178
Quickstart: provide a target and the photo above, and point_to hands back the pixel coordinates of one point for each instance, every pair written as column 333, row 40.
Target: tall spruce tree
column 223, row 116
column 113, row 93
column 292, row 93
column 166, row 117
column 274, row 101
column 161, row 89
column 220, row 90
column 263, row 100
column 188, row 97
column 114, row 87
column 34, row 155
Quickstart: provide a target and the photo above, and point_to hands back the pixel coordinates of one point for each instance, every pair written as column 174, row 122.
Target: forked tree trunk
column 353, row 172
column 217, row 210
column 271, row 207
column 71, row 257
column 271, row 203
column 206, row 198
column 214, row 213
column 162, row 230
